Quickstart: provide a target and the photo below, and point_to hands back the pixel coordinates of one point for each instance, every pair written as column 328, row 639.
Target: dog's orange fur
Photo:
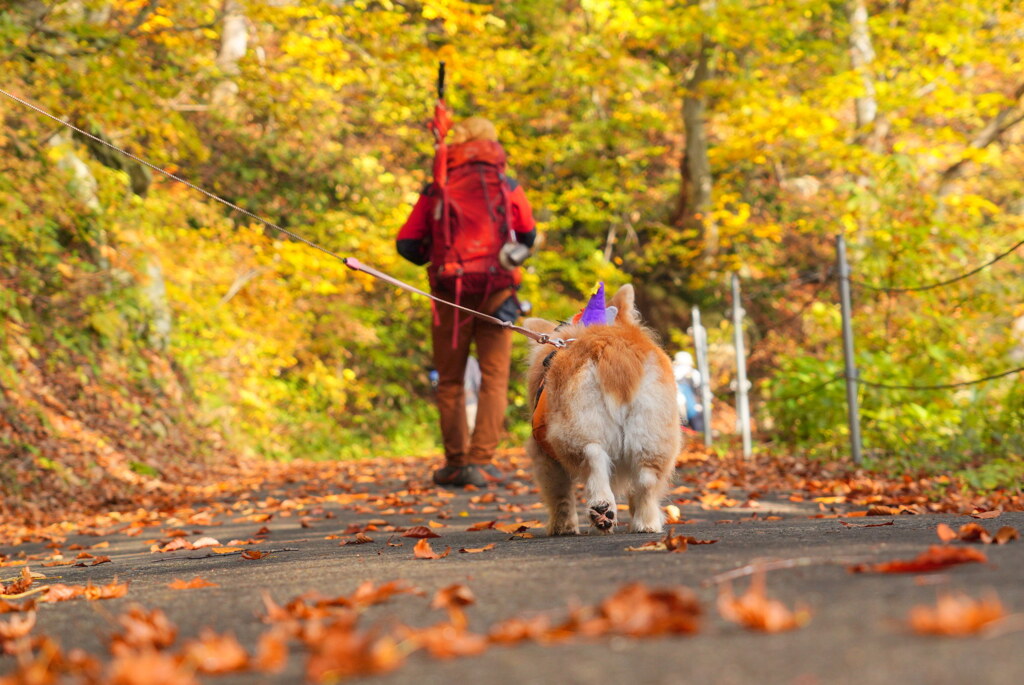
column 611, row 416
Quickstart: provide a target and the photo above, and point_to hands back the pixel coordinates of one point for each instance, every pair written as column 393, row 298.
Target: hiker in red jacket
column 474, row 231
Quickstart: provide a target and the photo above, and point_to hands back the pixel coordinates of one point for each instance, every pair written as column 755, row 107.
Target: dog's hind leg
column 597, row 467
column 556, row 491
column 644, row 502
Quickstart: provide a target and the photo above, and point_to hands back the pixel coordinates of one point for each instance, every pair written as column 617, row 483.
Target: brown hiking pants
column 494, row 351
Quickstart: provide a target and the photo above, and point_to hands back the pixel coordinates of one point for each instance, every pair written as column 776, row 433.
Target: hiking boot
column 491, row 473
column 460, row 476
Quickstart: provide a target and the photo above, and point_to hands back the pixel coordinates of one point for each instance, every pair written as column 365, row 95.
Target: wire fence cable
column 939, row 284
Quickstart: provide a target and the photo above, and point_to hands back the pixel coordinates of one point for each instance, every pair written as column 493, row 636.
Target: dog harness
column 540, row 410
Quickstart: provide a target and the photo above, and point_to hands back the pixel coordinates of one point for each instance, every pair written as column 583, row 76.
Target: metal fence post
column 700, row 344
column 742, row 406
column 853, row 411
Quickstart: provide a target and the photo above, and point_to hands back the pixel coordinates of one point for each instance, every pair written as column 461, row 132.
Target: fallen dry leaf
column 420, row 532
column 754, row 610
column 519, row 629
column 937, row 557
column 995, row 513
column 253, row 554
column 518, row 528
column 340, row 651
column 457, row 595
column 670, row 543
column 476, row 550
column 360, row 539
column 637, row 611
column 483, row 525
column 148, row 667
column 423, row 550
column 271, row 652
column 367, row 594
column 17, row 626
column 61, row 593
column 956, row 614
column 195, row 583
column 212, row 653
column 111, row 590
column 975, row 532
column 142, row 629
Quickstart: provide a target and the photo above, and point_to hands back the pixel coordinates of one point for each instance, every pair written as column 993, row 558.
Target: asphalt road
column 857, row 632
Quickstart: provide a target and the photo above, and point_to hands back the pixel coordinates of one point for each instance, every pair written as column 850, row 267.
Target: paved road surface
column 857, row 633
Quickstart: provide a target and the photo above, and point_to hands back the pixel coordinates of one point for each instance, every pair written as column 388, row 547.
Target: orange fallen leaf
column 157, row 667
column 483, row 525
column 455, row 595
column 956, row 614
column 935, row 558
column 271, row 652
column 359, row 539
column 225, row 550
column 253, row 554
column 1006, row 534
column 476, row 550
column 143, row 630
column 520, row 629
column 111, row 590
column 17, row 626
column 195, row 583
column 518, row 528
column 172, row 546
column 995, row 513
column 638, row 611
column 341, row 651
column 212, row 653
column 945, row 533
column 420, row 532
column 670, row 543
column 61, row 593
column 51, row 564
column 423, row 550
column 754, row 610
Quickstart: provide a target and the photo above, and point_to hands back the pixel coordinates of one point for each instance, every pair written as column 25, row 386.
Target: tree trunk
column 862, row 54
column 694, row 202
column 233, row 46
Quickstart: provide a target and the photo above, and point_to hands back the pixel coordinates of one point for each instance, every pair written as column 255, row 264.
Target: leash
column 350, row 262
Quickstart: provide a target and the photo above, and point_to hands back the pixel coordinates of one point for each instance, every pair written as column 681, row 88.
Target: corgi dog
column 604, row 413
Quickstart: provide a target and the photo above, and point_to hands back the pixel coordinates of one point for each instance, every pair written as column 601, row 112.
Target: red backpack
column 471, row 222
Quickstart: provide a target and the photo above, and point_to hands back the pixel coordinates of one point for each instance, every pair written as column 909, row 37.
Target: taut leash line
column 350, row 262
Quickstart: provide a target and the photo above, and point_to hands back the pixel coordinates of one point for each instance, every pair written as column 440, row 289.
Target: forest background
column 664, row 143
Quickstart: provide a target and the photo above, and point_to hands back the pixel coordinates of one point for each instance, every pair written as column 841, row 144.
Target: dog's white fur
column 612, row 421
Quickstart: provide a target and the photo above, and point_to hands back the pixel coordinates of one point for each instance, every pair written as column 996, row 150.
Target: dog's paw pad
column 602, row 515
